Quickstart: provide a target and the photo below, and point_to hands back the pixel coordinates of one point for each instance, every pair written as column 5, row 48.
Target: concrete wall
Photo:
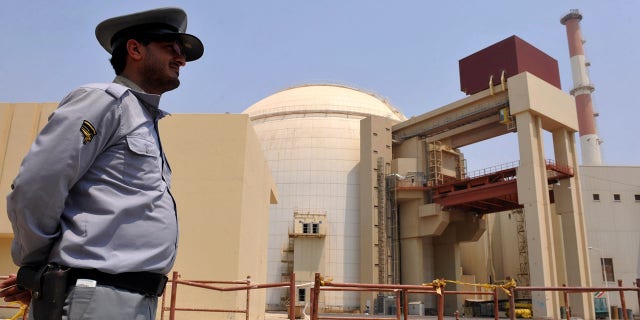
column 613, row 226
column 375, row 136
column 19, row 125
column 223, row 188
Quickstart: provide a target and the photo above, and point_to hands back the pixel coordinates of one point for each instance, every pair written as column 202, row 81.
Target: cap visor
column 193, row 47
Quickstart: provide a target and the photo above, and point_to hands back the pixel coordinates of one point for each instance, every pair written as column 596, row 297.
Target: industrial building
column 447, row 206
column 310, row 136
column 331, row 179
column 611, row 199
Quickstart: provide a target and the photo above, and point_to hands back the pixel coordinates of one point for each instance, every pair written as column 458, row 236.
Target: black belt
column 146, row 283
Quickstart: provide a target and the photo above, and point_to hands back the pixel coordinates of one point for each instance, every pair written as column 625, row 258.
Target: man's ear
column 135, row 49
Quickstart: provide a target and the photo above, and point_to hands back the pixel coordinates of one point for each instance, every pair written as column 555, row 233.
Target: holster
column 48, row 286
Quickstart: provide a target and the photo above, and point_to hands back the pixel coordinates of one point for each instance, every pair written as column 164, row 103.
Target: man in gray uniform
column 91, row 208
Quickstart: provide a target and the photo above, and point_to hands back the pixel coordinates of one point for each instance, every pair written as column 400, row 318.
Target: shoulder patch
column 88, row 131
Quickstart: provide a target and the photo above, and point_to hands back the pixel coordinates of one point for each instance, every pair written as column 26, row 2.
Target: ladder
column 435, row 162
column 523, row 252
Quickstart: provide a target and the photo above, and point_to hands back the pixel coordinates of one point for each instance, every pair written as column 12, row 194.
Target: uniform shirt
column 93, row 191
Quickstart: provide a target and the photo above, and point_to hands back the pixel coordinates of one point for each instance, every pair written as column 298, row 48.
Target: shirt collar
column 150, row 101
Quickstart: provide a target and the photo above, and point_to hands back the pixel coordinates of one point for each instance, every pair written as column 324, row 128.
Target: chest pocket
column 143, row 164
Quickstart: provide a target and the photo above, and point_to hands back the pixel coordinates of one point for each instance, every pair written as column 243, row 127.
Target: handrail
column 567, row 290
column 437, row 287
column 550, row 164
column 491, row 170
column 238, row 285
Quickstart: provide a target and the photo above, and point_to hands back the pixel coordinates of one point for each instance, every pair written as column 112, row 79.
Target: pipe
column 312, row 299
column 174, row 293
column 316, row 294
column 622, row 302
column 441, row 305
column 579, row 289
column 496, row 310
column 398, row 305
column 567, row 308
column 406, row 305
column 292, row 296
column 512, row 304
column 379, row 286
column 638, row 292
column 248, row 303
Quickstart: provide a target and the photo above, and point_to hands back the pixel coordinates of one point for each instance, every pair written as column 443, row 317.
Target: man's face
column 161, row 67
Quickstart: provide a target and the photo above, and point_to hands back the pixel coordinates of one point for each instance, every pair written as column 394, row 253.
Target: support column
column 533, row 195
column 417, row 266
column 568, row 200
column 448, row 265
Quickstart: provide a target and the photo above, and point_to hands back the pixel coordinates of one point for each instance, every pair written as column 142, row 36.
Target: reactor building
column 311, row 140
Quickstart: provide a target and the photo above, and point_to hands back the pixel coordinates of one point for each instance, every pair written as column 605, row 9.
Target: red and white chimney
column 582, row 88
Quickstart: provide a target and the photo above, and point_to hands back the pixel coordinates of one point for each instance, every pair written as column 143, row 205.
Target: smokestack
column 582, row 88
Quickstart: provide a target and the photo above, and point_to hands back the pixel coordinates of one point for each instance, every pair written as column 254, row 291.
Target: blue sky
column 405, row 51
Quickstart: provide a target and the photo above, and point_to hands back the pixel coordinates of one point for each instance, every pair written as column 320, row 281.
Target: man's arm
column 61, row 154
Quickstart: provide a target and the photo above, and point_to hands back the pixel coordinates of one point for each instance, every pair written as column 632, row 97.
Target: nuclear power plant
column 331, row 179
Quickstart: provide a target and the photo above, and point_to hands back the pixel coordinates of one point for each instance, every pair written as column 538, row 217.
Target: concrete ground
column 281, row 316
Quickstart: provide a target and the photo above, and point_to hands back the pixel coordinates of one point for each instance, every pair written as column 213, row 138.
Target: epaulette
column 114, row 89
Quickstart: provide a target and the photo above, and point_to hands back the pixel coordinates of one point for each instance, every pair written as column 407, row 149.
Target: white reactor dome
column 323, row 98
column 310, row 135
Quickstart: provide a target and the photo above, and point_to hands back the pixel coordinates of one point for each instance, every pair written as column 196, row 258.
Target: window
column 637, row 196
column 616, row 197
column 311, row 228
column 308, row 224
column 607, row 271
column 596, row 197
column 302, row 295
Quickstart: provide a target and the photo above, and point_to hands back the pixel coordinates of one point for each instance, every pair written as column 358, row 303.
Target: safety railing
column 400, row 291
column 550, row 164
column 558, row 169
column 225, row 286
column 572, row 290
column 437, row 287
column 491, row 170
